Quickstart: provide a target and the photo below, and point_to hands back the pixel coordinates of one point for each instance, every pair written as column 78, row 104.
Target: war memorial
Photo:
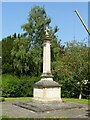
column 47, row 92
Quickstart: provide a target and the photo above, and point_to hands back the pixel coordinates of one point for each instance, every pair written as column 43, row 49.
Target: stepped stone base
column 47, row 90
column 44, row 107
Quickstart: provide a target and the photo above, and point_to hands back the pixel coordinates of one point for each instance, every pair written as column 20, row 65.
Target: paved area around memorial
column 47, row 106
column 9, row 109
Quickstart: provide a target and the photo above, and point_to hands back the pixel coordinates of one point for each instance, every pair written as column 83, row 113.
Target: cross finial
column 47, row 31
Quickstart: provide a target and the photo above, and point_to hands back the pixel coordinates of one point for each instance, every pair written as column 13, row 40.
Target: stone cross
column 47, row 54
column 47, row 31
column 46, row 89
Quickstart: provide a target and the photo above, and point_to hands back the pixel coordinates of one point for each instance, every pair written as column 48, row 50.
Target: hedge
column 12, row 86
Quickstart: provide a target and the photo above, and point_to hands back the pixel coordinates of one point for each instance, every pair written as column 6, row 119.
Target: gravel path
column 14, row 111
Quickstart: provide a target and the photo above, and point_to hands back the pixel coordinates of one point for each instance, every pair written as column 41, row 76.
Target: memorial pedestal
column 47, row 90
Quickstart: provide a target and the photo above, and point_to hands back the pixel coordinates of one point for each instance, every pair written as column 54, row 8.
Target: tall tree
column 33, row 39
column 7, row 45
column 20, row 55
column 0, row 57
column 73, row 68
column 37, row 21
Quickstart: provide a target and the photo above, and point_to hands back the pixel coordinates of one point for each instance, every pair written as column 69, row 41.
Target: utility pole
column 82, row 21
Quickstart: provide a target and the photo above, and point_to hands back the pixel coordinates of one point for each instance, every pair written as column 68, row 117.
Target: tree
column 30, row 45
column 21, row 56
column 37, row 21
column 0, row 57
column 73, row 68
column 78, row 63
column 7, row 45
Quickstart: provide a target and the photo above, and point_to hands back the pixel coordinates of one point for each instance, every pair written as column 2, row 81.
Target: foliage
column 37, row 21
column 10, row 86
column 2, row 99
column 13, row 86
column 26, row 86
column 0, row 57
column 34, row 31
column 73, row 69
column 78, row 64
column 0, row 48
column 27, row 49
column 7, row 45
column 22, row 57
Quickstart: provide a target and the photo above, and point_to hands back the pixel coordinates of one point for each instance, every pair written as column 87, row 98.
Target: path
column 18, row 112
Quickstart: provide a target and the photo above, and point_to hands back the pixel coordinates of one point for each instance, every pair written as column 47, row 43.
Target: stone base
column 46, row 100
column 44, row 107
column 47, row 90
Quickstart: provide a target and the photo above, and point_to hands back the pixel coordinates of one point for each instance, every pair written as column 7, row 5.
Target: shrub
column 13, row 86
column 2, row 99
column 26, row 85
column 10, row 86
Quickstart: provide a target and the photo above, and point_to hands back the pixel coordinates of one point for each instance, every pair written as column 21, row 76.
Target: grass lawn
column 15, row 99
column 18, row 98
column 58, row 117
column 82, row 101
column 5, row 117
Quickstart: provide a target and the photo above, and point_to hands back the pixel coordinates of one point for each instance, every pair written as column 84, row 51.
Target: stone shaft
column 46, row 57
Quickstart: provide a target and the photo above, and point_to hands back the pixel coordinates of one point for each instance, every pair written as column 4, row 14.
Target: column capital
column 47, row 38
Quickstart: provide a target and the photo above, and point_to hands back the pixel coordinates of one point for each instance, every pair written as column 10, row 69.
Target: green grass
column 5, row 117
column 63, row 118
column 82, row 101
column 18, row 98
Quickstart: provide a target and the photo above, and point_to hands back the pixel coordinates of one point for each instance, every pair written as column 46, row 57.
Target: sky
column 15, row 14
column 44, row 0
